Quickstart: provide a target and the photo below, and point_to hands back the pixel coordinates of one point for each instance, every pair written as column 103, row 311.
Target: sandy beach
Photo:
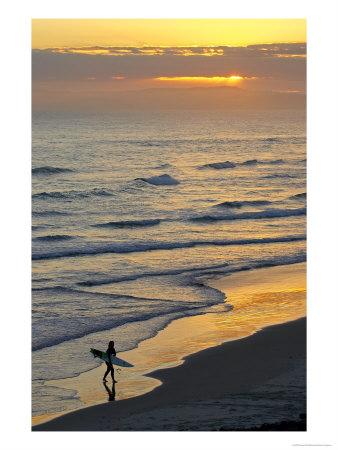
column 256, row 376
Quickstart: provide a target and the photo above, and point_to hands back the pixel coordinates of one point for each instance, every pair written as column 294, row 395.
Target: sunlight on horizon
column 214, row 80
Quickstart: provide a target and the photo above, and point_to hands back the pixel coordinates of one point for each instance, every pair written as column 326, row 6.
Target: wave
column 239, row 204
column 99, row 282
column 269, row 213
column 271, row 139
column 219, row 165
column 55, row 237
column 50, row 213
column 163, row 166
column 103, row 295
column 56, row 331
column 149, row 246
column 161, row 180
column 279, row 175
column 165, row 309
column 299, row 196
column 71, row 194
column 114, row 309
column 48, row 195
column 48, row 170
column 176, row 142
column 37, row 227
column 129, row 223
column 249, row 162
column 274, row 161
column 269, row 262
column 253, row 162
column 198, row 271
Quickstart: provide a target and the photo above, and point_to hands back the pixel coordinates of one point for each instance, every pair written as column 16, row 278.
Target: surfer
column 110, row 352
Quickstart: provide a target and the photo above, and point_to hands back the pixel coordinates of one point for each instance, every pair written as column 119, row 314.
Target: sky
column 155, row 63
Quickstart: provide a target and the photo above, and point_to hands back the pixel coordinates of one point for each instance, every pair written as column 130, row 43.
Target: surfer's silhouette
column 110, row 352
column 111, row 392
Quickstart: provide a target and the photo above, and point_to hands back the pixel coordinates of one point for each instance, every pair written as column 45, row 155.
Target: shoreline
column 210, row 376
column 182, row 339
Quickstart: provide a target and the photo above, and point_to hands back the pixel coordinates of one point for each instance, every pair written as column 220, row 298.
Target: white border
column 322, row 220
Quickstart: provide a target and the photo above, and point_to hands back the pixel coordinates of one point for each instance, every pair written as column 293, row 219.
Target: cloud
column 276, row 50
column 98, row 73
column 251, row 61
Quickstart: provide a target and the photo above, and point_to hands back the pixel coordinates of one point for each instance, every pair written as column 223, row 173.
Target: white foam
column 161, row 180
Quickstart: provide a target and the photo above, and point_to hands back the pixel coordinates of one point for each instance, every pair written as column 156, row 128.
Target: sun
column 235, row 78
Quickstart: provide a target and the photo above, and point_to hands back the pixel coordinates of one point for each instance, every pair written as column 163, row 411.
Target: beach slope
column 248, row 369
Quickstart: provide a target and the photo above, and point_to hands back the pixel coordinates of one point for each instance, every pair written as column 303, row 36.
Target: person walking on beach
column 110, row 352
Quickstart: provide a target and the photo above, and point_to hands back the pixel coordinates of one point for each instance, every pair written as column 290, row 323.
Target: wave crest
column 250, row 162
column 219, row 165
column 48, row 170
column 55, row 237
column 239, row 204
column 129, row 223
column 299, row 196
column 70, row 195
column 148, row 246
column 269, row 213
column 160, row 180
column 50, row 213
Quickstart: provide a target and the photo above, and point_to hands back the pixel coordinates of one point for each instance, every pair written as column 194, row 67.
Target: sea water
column 130, row 208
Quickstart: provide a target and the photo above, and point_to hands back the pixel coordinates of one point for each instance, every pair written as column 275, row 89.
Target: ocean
column 129, row 209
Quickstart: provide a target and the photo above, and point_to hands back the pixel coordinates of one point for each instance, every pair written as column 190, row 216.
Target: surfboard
column 114, row 359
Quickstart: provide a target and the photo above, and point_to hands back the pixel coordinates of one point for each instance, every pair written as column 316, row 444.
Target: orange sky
column 85, row 62
column 164, row 32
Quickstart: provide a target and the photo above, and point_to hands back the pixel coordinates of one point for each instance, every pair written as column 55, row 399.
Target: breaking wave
column 97, row 249
column 161, row 180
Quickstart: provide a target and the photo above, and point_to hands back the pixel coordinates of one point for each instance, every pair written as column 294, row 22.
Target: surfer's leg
column 107, row 371
column 112, row 374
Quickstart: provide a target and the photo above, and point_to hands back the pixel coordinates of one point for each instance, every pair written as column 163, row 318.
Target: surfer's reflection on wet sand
column 111, row 392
